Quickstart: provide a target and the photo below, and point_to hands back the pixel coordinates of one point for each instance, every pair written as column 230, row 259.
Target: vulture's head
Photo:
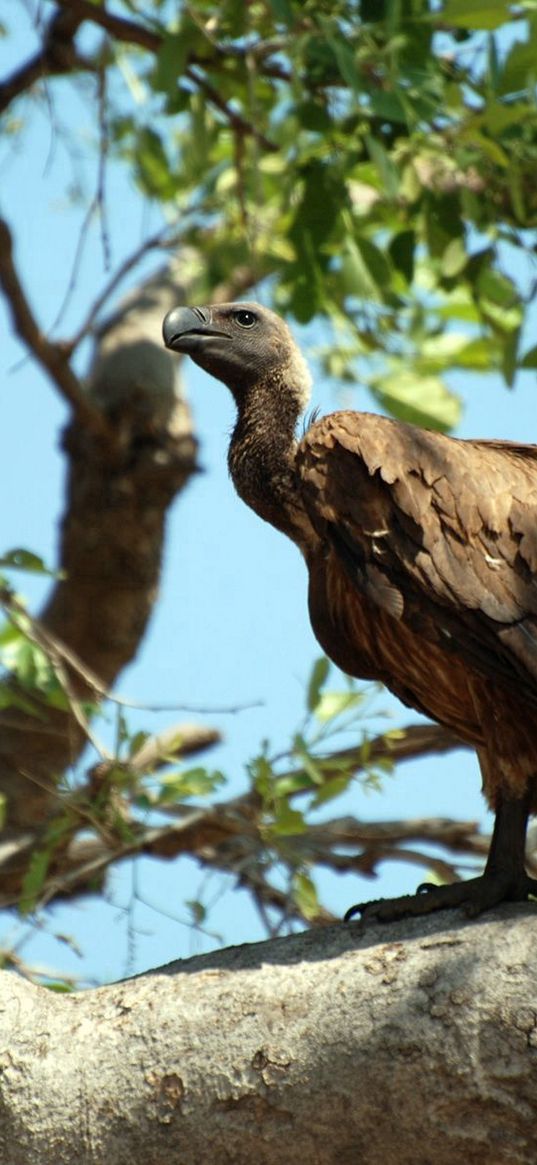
column 242, row 344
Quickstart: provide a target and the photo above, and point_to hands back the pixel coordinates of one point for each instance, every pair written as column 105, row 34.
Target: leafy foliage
column 376, row 159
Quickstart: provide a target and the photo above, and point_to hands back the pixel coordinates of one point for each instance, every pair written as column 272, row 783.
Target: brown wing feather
column 439, row 533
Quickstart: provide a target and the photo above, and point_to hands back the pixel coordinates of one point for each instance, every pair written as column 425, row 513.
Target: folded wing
column 438, row 533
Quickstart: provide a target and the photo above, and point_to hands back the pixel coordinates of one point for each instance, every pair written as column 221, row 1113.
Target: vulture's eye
column 246, row 319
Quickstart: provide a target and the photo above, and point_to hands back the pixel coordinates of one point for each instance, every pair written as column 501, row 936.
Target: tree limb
column 229, row 836
column 122, row 29
column 51, row 356
column 57, row 56
column 244, row 1049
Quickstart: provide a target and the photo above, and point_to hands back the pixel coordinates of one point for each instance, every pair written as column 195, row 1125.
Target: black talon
column 357, row 909
column 504, row 878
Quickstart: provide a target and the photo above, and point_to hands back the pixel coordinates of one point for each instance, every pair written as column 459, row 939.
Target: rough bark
column 415, row 1043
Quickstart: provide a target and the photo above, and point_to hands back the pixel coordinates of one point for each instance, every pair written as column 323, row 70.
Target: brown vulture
column 422, row 559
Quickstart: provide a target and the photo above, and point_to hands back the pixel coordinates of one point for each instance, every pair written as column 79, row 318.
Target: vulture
column 422, row 558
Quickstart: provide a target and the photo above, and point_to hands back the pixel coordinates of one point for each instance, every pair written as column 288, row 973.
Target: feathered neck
column 262, row 453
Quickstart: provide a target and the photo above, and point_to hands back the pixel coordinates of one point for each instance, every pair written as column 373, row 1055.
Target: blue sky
column 231, row 626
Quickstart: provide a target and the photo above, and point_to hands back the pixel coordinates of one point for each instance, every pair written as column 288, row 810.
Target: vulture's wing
column 439, row 532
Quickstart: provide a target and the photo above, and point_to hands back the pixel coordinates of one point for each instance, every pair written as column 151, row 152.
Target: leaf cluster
column 375, row 159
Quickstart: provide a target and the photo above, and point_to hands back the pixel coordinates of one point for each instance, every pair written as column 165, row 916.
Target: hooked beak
column 188, row 329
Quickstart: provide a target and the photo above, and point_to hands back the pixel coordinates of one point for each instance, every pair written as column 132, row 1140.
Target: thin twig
column 155, row 241
column 34, row 629
column 101, row 171
column 236, row 122
column 51, row 356
column 57, row 56
column 57, row 655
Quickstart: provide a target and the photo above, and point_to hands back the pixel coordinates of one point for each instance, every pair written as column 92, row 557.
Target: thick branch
column 309, row 1048
column 59, row 56
column 128, row 31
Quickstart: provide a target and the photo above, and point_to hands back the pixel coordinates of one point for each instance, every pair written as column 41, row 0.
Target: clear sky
column 231, row 626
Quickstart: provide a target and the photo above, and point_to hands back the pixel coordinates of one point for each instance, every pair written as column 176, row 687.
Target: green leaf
column 388, row 104
column 172, row 56
column 480, row 355
column 497, row 287
column 529, row 360
column 478, row 14
column 518, row 68
column 34, row 879
column 344, row 55
column 294, row 783
column 442, row 349
column 386, row 168
column 372, row 11
column 305, row 895
column 402, row 250
column 288, row 822
column 282, row 10
column 262, row 776
column 155, row 171
column 21, row 559
column 420, row 400
column 504, row 319
column 309, row 764
column 499, row 300
column 11, row 699
column 307, row 288
column 323, row 199
column 195, row 782
column 331, row 789
column 318, row 677
column 493, row 63
column 136, row 742
column 376, row 262
column 357, row 278
column 333, row 704
column 458, row 305
column 313, row 116
column 498, row 117
column 454, row 259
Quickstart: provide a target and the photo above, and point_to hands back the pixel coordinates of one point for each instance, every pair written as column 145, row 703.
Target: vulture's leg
column 504, row 878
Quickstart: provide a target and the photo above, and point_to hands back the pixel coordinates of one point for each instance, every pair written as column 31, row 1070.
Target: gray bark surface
column 412, row 1043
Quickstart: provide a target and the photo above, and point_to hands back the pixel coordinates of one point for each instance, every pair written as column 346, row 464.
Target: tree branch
column 229, row 836
column 412, row 742
column 51, row 356
column 245, row 1049
column 127, row 31
column 57, row 56
column 237, row 123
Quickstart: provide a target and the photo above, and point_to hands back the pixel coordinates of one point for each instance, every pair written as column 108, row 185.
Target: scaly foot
column 475, row 895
